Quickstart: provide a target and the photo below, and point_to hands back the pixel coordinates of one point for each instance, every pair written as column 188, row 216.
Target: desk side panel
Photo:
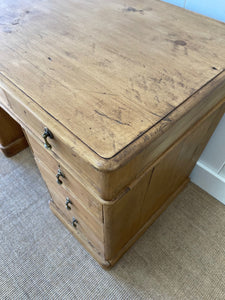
column 128, row 217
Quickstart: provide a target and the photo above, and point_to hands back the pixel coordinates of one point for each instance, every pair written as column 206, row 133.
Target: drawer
column 77, row 215
column 3, row 98
column 64, row 144
column 70, row 183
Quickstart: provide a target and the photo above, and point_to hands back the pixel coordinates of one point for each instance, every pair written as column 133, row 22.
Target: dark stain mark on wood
column 115, row 120
column 180, row 84
column 15, row 18
column 91, row 244
column 15, row 22
column 7, row 30
column 155, row 114
column 146, row 138
column 167, row 119
column 137, row 95
column 93, row 47
column 170, row 105
column 141, row 82
column 71, row 55
column 118, row 113
column 100, row 102
column 127, row 189
column 124, row 192
column 113, row 140
column 180, row 43
column 132, row 9
column 157, row 80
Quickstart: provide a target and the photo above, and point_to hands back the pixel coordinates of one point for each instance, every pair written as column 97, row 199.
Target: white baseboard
column 209, row 181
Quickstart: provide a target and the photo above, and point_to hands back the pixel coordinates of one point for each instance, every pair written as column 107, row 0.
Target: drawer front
column 3, row 98
column 74, row 212
column 63, row 144
column 26, row 116
column 69, row 182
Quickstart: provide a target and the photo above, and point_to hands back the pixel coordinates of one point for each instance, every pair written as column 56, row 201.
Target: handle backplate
column 58, row 175
column 47, row 133
column 67, row 203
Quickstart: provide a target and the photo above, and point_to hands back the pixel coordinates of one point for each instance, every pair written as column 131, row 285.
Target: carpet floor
column 181, row 256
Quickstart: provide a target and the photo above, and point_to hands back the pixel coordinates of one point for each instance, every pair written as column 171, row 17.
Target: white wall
column 209, row 172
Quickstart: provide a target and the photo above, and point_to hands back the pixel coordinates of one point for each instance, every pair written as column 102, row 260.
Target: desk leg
column 12, row 139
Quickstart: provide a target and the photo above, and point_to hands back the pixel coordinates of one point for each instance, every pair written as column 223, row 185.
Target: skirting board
column 209, row 181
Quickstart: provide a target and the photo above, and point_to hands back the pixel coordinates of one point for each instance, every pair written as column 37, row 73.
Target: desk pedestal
column 12, row 139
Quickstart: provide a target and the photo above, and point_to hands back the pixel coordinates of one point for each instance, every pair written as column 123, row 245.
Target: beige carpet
column 181, row 256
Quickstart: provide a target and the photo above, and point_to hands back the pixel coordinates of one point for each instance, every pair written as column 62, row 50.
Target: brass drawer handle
column 47, row 133
column 59, row 181
column 67, row 203
column 74, row 222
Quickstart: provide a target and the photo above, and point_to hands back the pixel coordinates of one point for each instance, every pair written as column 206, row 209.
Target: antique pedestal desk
column 117, row 101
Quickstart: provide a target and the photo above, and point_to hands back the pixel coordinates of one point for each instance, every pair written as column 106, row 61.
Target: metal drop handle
column 58, row 175
column 47, row 133
column 74, row 222
column 68, row 202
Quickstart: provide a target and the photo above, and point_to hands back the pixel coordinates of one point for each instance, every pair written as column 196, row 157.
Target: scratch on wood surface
column 133, row 9
column 137, row 95
column 155, row 114
column 115, row 120
column 167, row 119
column 118, row 113
column 93, row 47
column 149, row 183
column 113, row 140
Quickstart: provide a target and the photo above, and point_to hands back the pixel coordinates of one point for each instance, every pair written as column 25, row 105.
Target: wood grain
column 117, row 69
column 128, row 214
column 131, row 91
column 107, row 178
column 87, row 225
column 70, row 183
column 80, row 237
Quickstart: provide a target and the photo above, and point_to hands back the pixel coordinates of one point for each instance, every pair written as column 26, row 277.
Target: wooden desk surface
column 141, row 83
column 108, row 71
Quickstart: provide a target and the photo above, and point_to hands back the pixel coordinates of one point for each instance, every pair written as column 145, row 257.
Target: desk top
column 108, row 71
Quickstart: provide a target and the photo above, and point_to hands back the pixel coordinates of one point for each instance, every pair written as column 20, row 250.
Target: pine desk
column 117, row 102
